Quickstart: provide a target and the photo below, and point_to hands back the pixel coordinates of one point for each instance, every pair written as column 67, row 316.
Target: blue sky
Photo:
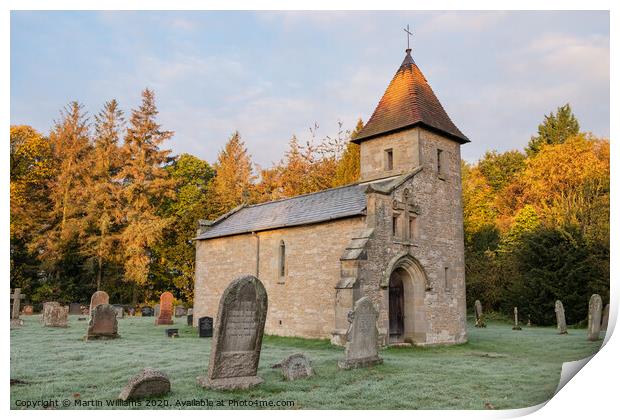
column 273, row 74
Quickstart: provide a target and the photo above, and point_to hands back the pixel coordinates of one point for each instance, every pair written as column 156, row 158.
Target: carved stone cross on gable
column 406, row 210
column 17, row 296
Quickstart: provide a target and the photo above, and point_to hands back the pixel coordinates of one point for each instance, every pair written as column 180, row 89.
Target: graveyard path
column 508, row 369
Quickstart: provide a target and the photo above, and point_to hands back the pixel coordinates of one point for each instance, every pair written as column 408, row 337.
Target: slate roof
column 335, row 203
column 409, row 101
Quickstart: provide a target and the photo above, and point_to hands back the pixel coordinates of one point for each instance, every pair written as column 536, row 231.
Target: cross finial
column 409, row 34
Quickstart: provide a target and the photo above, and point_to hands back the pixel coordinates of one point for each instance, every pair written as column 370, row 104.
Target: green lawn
column 508, row 369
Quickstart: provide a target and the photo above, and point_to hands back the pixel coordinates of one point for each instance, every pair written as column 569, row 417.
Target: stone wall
column 302, row 302
column 439, row 244
column 404, row 145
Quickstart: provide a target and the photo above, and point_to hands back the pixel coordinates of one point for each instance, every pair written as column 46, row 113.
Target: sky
column 271, row 75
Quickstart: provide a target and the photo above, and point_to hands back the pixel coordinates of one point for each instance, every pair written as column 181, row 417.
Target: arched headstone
column 103, row 323
column 361, row 349
column 238, row 336
column 560, row 317
column 594, row 317
column 165, row 309
column 98, row 298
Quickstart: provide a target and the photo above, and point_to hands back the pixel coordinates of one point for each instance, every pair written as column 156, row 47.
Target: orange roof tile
column 409, row 101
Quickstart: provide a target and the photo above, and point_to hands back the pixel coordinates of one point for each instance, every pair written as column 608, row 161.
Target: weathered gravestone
column 205, row 326
column 45, row 308
column 296, row 366
column 165, row 309
column 146, row 311
column 17, row 297
column 594, row 317
column 102, row 323
column 605, row 321
column 516, row 326
column 156, row 310
column 98, row 298
column 479, row 316
column 238, row 336
column 361, row 349
column 75, row 309
column 190, row 320
column 560, row 317
column 148, row 383
column 179, row 311
column 120, row 311
column 28, row 310
column 55, row 315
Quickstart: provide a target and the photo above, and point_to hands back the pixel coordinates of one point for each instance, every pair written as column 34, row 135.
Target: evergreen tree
column 102, row 192
column 555, row 129
column 233, row 182
column 146, row 186
column 499, row 169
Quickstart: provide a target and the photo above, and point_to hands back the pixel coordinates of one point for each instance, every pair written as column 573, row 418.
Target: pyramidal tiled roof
column 409, row 101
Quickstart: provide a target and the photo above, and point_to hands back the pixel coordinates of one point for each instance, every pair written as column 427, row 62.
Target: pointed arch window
column 282, row 260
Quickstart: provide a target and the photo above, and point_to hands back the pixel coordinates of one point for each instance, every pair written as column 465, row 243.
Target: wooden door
column 397, row 306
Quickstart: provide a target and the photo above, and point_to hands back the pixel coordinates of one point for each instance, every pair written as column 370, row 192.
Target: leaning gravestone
column 148, row 383
column 594, row 317
column 165, row 309
column 560, row 317
column 205, row 326
column 238, row 335
column 605, row 321
column 55, row 316
column 361, row 347
column 75, row 309
column 479, row 316
column 98, row 298
column 296, row 366
column 103, row 323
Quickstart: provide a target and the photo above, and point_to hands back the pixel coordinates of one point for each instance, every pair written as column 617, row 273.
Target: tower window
column 394, row 225
column 389, row 160
column 440, row 168
column 282, row 260
column 446, row 278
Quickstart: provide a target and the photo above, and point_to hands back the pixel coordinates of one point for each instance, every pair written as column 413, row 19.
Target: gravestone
column 165, row 309
column 560, row 317
column 205, row 326
column 75, row 309
column 148, row 383
column 605, row 321
column 132, row 311
column 361, row 348
column 55, row 316
column 179, row 311
column 45, row 306
column 28, row 310
column 516, row 326
column 296, row 366
column 120, row 311
column 103, row 323
column 17, row 297
column 594, row 317
column 190, row 311
column 146, row 311
column 190, row 320
column 156, row 310
column 479, row 316
column 238, row 336
column 98, row 298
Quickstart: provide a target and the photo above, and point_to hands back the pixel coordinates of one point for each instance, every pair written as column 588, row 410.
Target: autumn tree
column 555, row 129
column 101, row 193
column 348, row 169
column 146, row 186
column 233, row 183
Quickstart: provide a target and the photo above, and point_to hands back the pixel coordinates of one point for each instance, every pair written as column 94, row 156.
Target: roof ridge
column 301, row 195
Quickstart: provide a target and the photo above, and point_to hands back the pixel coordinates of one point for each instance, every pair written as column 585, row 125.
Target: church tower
column 390, row 141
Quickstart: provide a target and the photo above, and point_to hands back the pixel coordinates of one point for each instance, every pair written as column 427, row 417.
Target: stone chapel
column 395, row 236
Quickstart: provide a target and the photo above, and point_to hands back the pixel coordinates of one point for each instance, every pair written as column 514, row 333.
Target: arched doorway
column 406, row 285
column 396, row 307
